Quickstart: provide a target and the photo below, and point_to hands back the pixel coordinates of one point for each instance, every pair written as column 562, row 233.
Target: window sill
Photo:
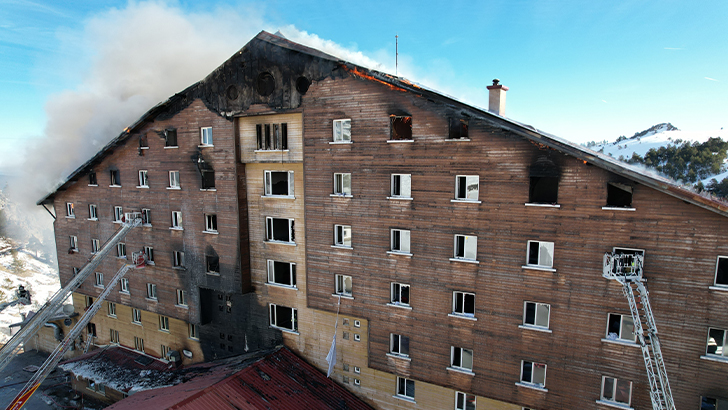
column 541, row 268
column 542, row 205
column 182, row 306
column 398, row 253
column 616, row 208
column 143, row 147
column 151, row 263
column 399, row 141
column 397, row 305
column 279, row 196
column 270, row 150
column 719, row 288
column 341, row 195
column 121, row 257
column 282, row 243
column 283, row 329
column 143, row 186
column 70, row 217
column 536, row 328
column 117, row 222
column 399, row 198
column 462, row 316
column 405, row 398
column 614, row 404
column 99, row 286
column 464, row 260
column 459, row 370
column 93, row 184
column 74, row 250
column 136, row 323
column 146, row 225
column 532, row 386
column 114, row 186
column 164, row 330
column 93, row 219
column 342, row 247
column 174, row 188
column 179, row 267
column 339, row 142
column 155, row 300
column 172, row 147
column 176, row 228
column 212, row 273
column 280, row 285
column 124, row 292
column 466, row 201
column 343, row 296
column 457, row 139
column 715, row 358
column 399, row 356
column 208, row 189
column 211, row 232
column 620, row 342
column 112, row 316
column 206, row 146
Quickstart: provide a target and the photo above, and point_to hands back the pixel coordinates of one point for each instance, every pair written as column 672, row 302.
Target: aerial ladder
column 12, row 347
column 626, row 268
column 22, row 297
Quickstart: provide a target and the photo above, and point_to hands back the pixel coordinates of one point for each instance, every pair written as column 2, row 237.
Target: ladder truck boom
column 12, row 347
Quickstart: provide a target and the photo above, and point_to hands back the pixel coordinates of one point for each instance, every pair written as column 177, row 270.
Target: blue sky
column 581, row 70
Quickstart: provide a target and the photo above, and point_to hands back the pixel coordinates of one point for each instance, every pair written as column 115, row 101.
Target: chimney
column 497, row 98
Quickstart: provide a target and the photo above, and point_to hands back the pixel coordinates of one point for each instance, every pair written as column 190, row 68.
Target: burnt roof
column 265, row 40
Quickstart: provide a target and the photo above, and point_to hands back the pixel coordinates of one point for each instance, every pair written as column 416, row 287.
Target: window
column 124, row 285
column 206, row 135
column 121, row 250
column 174, row 180
column 210, row 223
column 401, row 128
column 342, row 235
column 143, row 179
column 464, row 401
column 357, row 369
column 536, row 314
column 115, row 178
column 279, row 229
column 193, row 331
column 544, row 182
column 401, row 186
column 143, row 142
column 458, row 129
column 136, row 315
column 118, row 214
column 540, row 254
column 178, row 259
column 463, row 304
column 163, row 323
column 400, row 240
column 619, row 195
column 99, row 282
column 69, row 210
column 284, row 317
column 399, row 345
column 176, row 219
column 99, row 388
column 716, row 343
column 92, row 179
column 75, row 271
column 92, row 212
column 405, row 388
column 164, row 350
column 170, row 137
column 620, row 327
column 73, row 242
column 114, row 336
column 711, row 403
column 151, row 291
column 279, row 183
column 357, row 323
column 91, row 329
column 282, row 273
column 138, row 344
column 342, row 184
column 94, row 245
column 343, row 285
column 533, row 373
column 721, row 271
column 466, row 247
column 272, row 136
column 461, row 358
column 208, row 178
column 181, row 297
column 467, row 187
column 89, row 301
column 112, row 309
column 357, row 382
column 213, row 264
column 342, row 130
column 616, row 391
column 400, row 294
column 357, row 337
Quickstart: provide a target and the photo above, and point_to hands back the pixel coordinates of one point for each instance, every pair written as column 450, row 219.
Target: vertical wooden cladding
column 248, row 142
column 672, row 233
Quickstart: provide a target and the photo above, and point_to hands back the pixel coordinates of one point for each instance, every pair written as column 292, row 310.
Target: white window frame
column 462, row 399
column 459, row 363
column 176, row 220
column 459, row 296
column 342, row 130
column 143, row 178
column 341, row 285
column 610, row 397
column 398, row 344
column 121, row 250
column 206, row 137
column 73, row 242
column 193, row 331
column 174, row 181
column 542, row 261
column 342, row 236
column 531, row 382
column 210, row 223
column 164, row 323
column 124, row 285
column 399, row 241
column 149, row 252
column 538, row 307
column 118, row 214
column 273, row 316
column 138, row 344
column 401, row 388
column 721, row 346
column 269, row 230
column 467, row 196
column 181, row 297
column 400, row 186
column 621, row 336
column 69, row 210
column 93, row 214
column 114, row 336
column 136, row 316
column 271, row 264
column 146, row 217
column 469, row 251
column 112, row 309
column 178, row 259
column 395, row 295
column 151, row 291
column 268, row 184
column 95, row 245
column 715, row 282
column 342, row 184
column 99, row 280
column 164, row 350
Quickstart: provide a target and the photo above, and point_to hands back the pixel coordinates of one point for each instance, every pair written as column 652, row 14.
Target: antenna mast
column 396, row 54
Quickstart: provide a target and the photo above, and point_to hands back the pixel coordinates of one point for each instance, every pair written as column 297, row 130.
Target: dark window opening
column 265, row 84
column 721, row 275
column 619, row 195
column 259, row 136
column 544, row 183
column 458, row 128
column 115, row 177
column 92, row 178
column 280, row 229
column 143, row 143
column 401, row 127
column 284, row 273
column 91, row 329
column 213, row 264
column 170, row 137
column 208, row 179
column 271, row 136
column 279, row 183
column 302, row 84
column 268, row 144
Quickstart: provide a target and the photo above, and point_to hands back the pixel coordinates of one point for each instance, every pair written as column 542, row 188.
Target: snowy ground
column 22, row 268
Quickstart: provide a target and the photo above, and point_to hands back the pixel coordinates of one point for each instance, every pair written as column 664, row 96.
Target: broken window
column 69, row 210
column 400, row 240
column 143, row 179
column 342, row 236
column 143, row 142
column 342, row 184
column 400, row 294
column 401, row 186
column 272, row 136
column 616, row 391
column 716, row 345
column 544, row 182
column 619, row 195
column 124, row 285
column 279, row 183
column 170, row 137
column 721, row 271
column 463, row 304
column 540, row 254
column 99, row 282
column 461, row 358
column 466, row 247
column 151, row 291
column 342, row 130
column 208, row 178
column 458, row 129
column 115, row 178
column 92, row 212
column 178, row 259
column 92, row 179
column 213, row 264
column 712, row 403
column 533, row 373
column 536, row 314
column 174, row 180
column 620, row 327
column 210, row 223
column 284, row 317
column 467, row 187
column 399, row 345
column 343, row 285
column 138, row 344
column 118, row 214
column 206, row 136
column 405, row 388
column 136, row 315
column 163, row 323
column 279, row 230
column 91, row 329
column 176, row 220
column 282, row 273
column 464, row 401
column 401, row 128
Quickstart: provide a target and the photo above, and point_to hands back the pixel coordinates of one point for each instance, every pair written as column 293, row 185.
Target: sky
column 73, row 74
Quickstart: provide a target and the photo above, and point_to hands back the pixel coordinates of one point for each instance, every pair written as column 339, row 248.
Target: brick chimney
column 497, row 98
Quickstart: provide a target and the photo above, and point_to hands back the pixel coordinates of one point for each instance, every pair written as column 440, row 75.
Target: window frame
column 536, row 306
column 273, row 315
column 406, row 127
column 206, row 137
column 143, row 178
column 152, row 291
column 397, row 241
column 455, row 295
column 340, row 184
column 402, row 389
column 70, row 213
column 268, row 184
column 121, row 250
column 619, row 337
column 138, row 344
column 399, row 345
column 136, row 316
column 538, row 255
column 340, row 137
column 613, row 399
column 462, row 400
column 170, row 138
column 163, row 323
column 462, row 254
column 93, row 212
column 464, row 198
column 92, row 180
column 270, row 230
column 531, row 382
column 146, row 217
column 99, row 280
column 723, row 355
column 176, row 220
column 341, row 285
column 458, row 354
column 114, row 336
column 73, row 243
column 396, row 187
column 272, row 273
column 114, row 178
column 149, row 253
column 340, row 236
column 95, row 245
column 717, row 270
column 181, row 297
column 395, row 295
column 193, row 332
column 174, row 180
column 118, row 214
column 178, row 259
column 210, row 223
column 111, row 306
column 124, row 285
column 209, row 259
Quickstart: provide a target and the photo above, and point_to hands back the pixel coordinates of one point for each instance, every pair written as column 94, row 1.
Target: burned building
column 456, row 256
